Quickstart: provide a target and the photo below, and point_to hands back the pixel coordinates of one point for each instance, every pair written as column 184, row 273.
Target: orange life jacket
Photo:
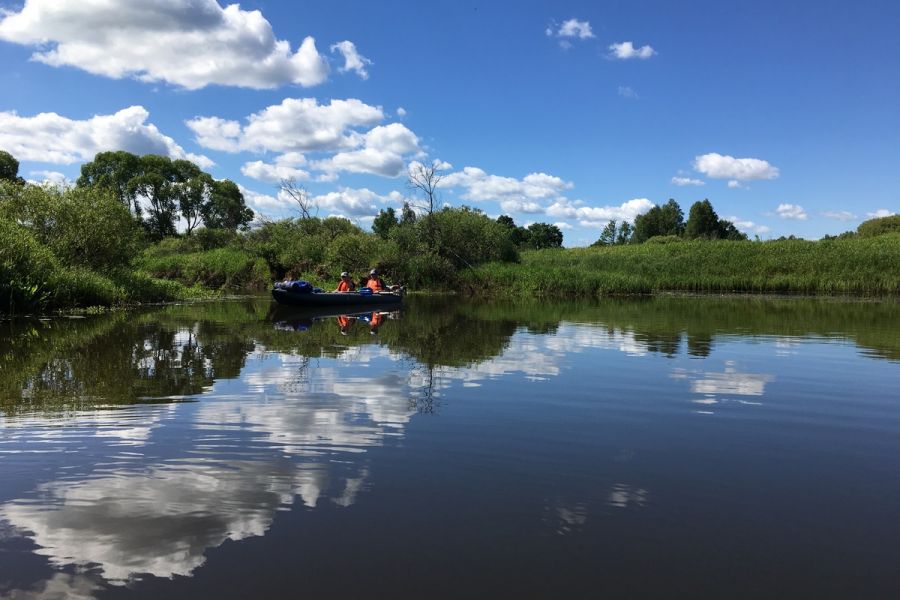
column 343, row 321
column 375, row 284
column 345, row 286
column 377, row 318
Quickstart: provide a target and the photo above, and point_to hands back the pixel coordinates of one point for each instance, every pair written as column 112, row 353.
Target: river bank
column 859, row 267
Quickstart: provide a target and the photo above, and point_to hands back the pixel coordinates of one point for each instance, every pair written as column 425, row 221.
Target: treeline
column 113, row 238
column 667, row 221
column 64, row 247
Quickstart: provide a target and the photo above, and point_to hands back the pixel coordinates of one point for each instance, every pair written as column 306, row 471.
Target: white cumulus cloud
column 840, row 215
column 880, row 213
column 383, row 152
column 479, row 186
column 791, row 211
column 627, row 51
column 720, row 166
column 353, row 60
column 573, row 28
column 748, row 226
column 294, row 125
column 273, row 173
column 683, row 181
column 350, row 202
column 54, row 178
column 598, row 216
column 187, row 44
column 52, row 138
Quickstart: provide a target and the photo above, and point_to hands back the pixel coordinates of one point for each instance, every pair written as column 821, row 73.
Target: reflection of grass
column 125, row 357
column 856, row 266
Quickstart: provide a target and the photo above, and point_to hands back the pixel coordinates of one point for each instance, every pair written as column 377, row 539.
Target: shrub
column 25, row 269
column 85, row 227
column 880, row 226
column 665, row 239
column 80, row 287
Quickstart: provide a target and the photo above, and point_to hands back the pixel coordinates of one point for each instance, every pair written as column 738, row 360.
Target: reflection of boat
column 312, row 313
column 342, row 299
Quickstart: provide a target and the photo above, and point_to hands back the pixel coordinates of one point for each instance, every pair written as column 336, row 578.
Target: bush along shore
column 112, row 240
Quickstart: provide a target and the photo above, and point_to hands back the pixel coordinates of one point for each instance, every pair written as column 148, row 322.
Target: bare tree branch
column 299, row 195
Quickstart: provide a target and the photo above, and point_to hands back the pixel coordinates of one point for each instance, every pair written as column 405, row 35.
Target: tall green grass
column 220, row 268
column 856, row 266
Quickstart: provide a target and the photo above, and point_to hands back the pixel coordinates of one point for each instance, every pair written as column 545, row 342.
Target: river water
column 668, row 447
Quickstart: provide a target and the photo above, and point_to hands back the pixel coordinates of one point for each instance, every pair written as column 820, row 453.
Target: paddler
column 346, row 284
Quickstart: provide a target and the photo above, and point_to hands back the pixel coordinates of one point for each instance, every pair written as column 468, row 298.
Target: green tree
column 544, row 235
column 384, row 222
column 608, row 235
column 193, row 196
column 114, row 171
column 703, row 222
column 9, row 168
column 518, row 235
column 85, row 227
column 155, row 186
column 407, row 215
column 667, row 219
column 226, row 208
column 727, row 231
column 625, row 233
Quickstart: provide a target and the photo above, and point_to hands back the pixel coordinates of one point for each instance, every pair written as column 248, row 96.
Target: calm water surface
column 675, row 447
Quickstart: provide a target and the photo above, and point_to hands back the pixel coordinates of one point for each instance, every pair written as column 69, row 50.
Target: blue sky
column 784, row 116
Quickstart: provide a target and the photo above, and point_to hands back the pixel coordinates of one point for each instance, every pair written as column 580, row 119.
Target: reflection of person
column 344, row 323
column 346, row 284
column 375, row 322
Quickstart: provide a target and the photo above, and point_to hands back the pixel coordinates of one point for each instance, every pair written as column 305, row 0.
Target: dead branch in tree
column 300, row 195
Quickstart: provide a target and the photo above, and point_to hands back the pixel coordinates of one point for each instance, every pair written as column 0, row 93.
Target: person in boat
column 346, row 284
column 375, row 282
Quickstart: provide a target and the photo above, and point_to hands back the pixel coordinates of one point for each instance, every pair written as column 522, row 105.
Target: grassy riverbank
column 852, row 266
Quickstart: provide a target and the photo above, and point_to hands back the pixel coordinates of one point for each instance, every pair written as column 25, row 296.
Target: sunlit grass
column 860, row 266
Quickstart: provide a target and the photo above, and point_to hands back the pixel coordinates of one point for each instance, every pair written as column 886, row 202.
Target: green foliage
column 608, row 235
column 858, row 266
column 703, row 222
column 221, row 268
column 353, row 252
column 210, row 239
column 384, row 222
column 9, row 168
column 667, row 219
column 25, row 268
column 84, row 227
column 79, row 287
column 167, row 186
column 665, row 239
column 225, row 208
column 193, row 198
column 407, row 215
column 543, row 235
column 880, row 226
column 113, row 171
column 429, row 270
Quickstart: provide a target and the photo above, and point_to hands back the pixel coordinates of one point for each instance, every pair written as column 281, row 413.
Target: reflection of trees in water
column 179, row 351
column 120, row 359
